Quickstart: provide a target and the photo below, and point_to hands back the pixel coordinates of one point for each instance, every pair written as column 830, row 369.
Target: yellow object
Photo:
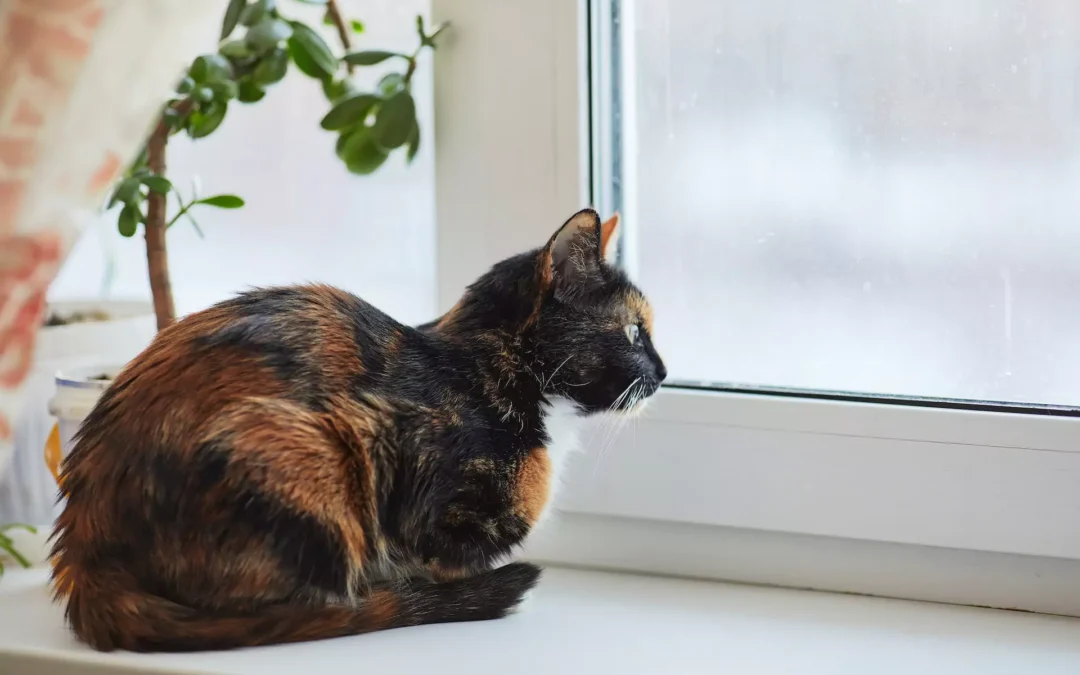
column 53, row 452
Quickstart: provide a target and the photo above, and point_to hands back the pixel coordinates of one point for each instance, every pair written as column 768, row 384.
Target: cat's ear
column 609, row 239
column 573, row 255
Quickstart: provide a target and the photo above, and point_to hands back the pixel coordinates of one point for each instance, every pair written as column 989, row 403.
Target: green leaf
column 211, row 68
column 304, row 61
column 391, row 83
column 235, row 49
column 128, row 221
column 186, row 85
column 337, row 89
column 127, row 192
column 420, row 27
column 249, row 91
column 203, row 122
column 370, row 57
column 311, row 42
column 357, row 26
column 362, row 154
column 349, row 112
column 224, row 91
column 266, row 34
column 395, row 121
column 272, row 67
column 159, row 184
column 203, row 94
column 195, row 224
column 222, row 201
column 257, row 12
column 232, row 17
column 414, row 144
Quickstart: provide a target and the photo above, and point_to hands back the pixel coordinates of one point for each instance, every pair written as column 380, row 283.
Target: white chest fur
column 563, row 424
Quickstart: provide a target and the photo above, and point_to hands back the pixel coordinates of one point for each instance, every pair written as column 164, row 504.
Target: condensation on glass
column 872, row 196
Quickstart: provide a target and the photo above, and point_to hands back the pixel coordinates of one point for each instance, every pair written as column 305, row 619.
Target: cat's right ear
column 574, row 253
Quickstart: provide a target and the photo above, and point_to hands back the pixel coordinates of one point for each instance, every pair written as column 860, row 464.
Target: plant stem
column 334, row 12
column 157, row 254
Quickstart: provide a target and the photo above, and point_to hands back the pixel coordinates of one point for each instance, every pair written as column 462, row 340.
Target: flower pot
column 27, row 488
column 77, row 392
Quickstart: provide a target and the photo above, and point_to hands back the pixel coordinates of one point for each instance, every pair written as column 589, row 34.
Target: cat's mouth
column 635, row 397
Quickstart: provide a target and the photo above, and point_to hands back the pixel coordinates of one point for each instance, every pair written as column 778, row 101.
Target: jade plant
column 259, row 44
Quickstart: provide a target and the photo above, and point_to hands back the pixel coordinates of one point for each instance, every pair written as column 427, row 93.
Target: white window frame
column 973, row 506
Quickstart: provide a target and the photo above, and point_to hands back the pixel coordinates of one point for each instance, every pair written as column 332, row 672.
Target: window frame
column 516, row 130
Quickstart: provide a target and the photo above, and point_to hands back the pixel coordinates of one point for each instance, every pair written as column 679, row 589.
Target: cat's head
column 585, row 327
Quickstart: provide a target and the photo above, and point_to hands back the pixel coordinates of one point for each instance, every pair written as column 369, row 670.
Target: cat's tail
column 142, row 622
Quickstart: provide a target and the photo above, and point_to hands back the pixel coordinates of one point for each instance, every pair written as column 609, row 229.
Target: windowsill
column 593, row 622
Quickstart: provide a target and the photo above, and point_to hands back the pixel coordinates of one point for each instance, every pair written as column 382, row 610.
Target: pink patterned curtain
column 81, row 82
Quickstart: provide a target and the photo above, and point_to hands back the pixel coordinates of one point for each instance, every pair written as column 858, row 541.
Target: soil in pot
column 57, row 319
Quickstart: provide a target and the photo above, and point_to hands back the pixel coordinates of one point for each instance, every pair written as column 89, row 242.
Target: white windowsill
column 598, row 622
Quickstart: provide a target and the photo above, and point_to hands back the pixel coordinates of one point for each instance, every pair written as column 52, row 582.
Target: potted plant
column 259, row 43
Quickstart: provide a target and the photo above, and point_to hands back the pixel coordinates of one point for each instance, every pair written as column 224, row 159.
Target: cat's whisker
column 547, row 383
column 612, row 424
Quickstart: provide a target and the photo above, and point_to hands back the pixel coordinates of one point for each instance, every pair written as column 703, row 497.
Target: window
column 862, row 250
column 868, row 197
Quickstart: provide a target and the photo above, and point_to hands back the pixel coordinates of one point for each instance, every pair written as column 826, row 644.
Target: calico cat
column 293, row 464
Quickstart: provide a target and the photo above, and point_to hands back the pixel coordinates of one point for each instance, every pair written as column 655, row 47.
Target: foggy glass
column 871, row 196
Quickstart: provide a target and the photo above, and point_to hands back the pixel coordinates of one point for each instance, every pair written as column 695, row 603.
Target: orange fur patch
column 533, row 485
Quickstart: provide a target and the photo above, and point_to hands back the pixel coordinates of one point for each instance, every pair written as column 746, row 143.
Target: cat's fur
column 293, row 464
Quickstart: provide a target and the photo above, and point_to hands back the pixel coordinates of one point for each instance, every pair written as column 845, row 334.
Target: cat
column 292, row 464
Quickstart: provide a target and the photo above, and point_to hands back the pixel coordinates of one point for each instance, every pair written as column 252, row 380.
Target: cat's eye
column 632, row 333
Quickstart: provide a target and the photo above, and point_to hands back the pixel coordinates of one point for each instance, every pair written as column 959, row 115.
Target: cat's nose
column 661, row 371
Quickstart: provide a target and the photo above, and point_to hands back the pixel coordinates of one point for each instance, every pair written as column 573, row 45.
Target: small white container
column 77, row 392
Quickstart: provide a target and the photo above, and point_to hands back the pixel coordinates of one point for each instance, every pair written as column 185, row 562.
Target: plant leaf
column 395, row 120
column 226, row 90
column 203, row 122
column 391, row 83
column 222, row 201
column 370, row 57
column 272, row 67
column 249, row 91
column 304, row 61
column 127, row 192
column 362, row 154
column 211, row 68
column 128, row 220
column 195, row 224
column 257, row 12
column 232, row 17
column 351, row 111
column 357, row 26
column 414, row 144
column 338, row 89
column 311, row 42
column 267, row 34
column 235, row 49
column 159, row 184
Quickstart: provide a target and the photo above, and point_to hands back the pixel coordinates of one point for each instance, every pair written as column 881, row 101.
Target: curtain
column 81, row 83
